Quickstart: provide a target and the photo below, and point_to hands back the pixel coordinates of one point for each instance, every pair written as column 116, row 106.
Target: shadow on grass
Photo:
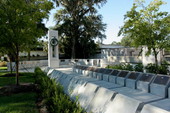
column 18, row 103
column 9, row 80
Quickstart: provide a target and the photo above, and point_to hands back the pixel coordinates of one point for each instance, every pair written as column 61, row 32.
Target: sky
column 113, row 15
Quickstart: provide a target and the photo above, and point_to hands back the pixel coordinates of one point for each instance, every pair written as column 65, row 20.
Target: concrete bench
column 126, row 92
column 142, row 86
column 85, row 71
column 131, row 81
column 120, row 83
column 106, row 74
column 100, row 100
column 120, row 79
column 82, row 69
column 126, row 98
column 113, row 76
column 86, row 93
column 90, row 71
column 79, row 69
column 141, row 97
column 99, row 73
column 95, row 72
column 159, row 88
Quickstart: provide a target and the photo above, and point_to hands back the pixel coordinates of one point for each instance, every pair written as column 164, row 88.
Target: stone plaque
column 102, row 70
column 146, row 77
column 108, row 71
column 78, row 66
column 115, row 72
column 161, row 79
column 133, row 75
column 97, row 70
column 85, row 68
column 123, row 73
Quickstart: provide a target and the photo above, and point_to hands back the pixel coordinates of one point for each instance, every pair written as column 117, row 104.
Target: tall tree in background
column 127, row 41
column 79, row 24
column 148, row 26
column 19, row 24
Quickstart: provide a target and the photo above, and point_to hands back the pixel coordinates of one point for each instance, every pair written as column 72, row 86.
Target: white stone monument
column 53, row 52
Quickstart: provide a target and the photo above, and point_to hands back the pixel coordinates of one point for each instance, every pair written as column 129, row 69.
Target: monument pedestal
column 53, row 52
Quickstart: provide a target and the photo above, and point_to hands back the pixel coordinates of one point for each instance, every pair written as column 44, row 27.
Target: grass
column 26, row 77
column 18, row 103
column 21, row 102
column 3, row 68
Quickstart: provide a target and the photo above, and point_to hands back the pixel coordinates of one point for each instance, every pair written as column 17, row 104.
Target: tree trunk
column 28, row 55
column 156, row 60
column 17, row 68
column 73, row 49
column 10, row 63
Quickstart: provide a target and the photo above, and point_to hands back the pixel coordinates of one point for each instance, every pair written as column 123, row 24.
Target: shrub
column 138, row 67
column 128, row 67
column 162, row 69
column 52, row 93
column 122, row 66
column 115, row 67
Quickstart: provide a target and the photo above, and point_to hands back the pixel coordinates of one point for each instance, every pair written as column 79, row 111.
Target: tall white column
column 53, row 52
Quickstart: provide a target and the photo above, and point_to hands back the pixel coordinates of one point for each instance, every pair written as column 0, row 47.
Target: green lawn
column 21, row 102
column 27, row 77
column 3, row 68
column 18, row 103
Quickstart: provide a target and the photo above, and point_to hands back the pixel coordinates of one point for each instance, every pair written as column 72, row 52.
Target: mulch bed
column 10, row 75
column 13, row 89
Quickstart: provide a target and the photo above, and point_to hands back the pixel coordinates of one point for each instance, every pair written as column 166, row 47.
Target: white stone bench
column 126, row 92
column 100, row 100
column 141, row 97
column 99, row 73
column 113, row 76
column 162, row 106
column 106, row 74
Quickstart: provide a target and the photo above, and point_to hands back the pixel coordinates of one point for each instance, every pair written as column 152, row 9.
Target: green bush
column 128, row 67
column 151, row 68
column 122, row 66
column 161, row 69
column 53, row 95
column 138, row 67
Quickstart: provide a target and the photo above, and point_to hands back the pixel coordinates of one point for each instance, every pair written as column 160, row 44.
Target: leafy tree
column 148, row 26
column 20, row 22
column 115, row 43
column 79, row 24
column 127, row 41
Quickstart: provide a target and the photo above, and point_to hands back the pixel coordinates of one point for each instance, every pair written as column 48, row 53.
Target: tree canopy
column 21, row 24
column 148, row 26
column 79, row 24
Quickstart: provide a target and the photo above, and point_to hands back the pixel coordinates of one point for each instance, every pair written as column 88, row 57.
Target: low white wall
column 28, row 64
column 33, row 53
column 89, row 62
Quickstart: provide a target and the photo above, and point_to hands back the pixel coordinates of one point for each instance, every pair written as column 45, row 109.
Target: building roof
column 108, row 46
